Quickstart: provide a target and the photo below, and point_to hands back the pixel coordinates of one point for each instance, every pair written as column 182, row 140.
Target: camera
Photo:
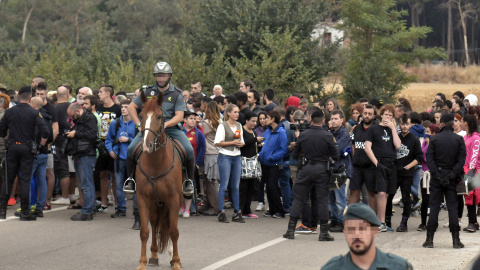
column 301, row 126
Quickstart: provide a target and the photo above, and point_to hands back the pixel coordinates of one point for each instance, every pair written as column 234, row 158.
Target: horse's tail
column 163, row 228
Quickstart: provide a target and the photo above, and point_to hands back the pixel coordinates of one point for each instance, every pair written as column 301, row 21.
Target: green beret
column 361, row 211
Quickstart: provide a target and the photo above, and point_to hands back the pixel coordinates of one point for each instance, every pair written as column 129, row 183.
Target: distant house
column 327, row 34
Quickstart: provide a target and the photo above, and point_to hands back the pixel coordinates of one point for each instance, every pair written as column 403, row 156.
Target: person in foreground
column 361, row 229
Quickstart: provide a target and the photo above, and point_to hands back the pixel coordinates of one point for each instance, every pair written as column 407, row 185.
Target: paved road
column 55, row 242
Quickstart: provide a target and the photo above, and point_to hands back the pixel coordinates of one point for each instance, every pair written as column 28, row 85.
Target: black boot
column 324, row 236
column 388, row 221
column 429, row 242
column 136, row 224
column 403, row 225
column 292, row 223
column 3, row 210
column 188, row 188
column 27, row 216
column 456, row 240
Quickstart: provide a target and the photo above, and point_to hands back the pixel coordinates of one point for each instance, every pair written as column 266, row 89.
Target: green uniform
column 382, row 261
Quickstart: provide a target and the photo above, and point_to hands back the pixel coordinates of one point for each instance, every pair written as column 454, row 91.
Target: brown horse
column 159, row 177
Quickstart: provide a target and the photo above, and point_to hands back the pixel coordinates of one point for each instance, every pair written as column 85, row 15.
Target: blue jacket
column 201, row 146
column 125, row 130
column 418, row 130
column 275, row 147
column 344, row 146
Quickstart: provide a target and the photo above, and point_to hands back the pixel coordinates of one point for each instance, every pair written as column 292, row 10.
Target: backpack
column 47, row 118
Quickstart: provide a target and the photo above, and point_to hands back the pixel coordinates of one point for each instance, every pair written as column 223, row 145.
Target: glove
column 471, row 173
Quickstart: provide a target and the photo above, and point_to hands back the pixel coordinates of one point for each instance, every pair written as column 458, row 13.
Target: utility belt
column 306, row 161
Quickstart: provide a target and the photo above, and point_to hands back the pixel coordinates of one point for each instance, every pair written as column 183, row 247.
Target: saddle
column 179, row 149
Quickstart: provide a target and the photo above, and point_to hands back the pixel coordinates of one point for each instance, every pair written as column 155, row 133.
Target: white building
column 326, row 32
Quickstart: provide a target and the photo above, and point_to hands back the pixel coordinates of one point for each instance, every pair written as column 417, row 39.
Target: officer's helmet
column 162, row 67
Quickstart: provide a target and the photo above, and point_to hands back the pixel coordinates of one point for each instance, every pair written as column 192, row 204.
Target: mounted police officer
column 361, row 228
column 23, row 122
column 316, row 147
column 173, row 107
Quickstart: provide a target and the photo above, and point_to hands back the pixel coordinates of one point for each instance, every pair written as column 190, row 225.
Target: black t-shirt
column 382, row 142
column 360, row 158
column 62, row 119
column 250, row 147
column 50, row 109
column 107, row 115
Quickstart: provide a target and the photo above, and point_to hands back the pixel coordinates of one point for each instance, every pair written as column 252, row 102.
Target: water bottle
column 54, row 151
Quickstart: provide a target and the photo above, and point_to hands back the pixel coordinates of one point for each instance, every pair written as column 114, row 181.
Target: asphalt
column 56, row 242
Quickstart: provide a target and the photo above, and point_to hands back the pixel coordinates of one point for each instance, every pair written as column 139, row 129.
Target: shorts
column 60, row 166
column 104, row 163
column 50, row 161
column 361, row 176
column 385, row 177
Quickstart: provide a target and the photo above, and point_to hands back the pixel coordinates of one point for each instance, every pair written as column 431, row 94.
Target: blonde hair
column 229, row 109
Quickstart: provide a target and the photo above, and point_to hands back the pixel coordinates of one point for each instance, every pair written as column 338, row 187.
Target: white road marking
column 44, row 212
column 244, row 253
column 147, row 126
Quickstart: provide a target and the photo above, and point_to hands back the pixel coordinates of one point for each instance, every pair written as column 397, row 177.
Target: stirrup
column 129, row 185
column 187, row 187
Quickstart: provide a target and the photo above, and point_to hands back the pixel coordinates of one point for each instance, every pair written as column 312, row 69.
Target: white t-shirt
column 220, row 137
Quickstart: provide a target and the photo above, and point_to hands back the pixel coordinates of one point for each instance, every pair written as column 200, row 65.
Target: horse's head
column 153, row 121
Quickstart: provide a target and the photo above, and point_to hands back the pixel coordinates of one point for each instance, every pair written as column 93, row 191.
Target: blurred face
column 198, row 117
column 405, row 127
column 457, row 125
column 303, row 107
column 195, row 88
column 355, row 115
column 437, row 118
column 35, row 82
column 446, row 109
column 41, row 94
column 217, row 91
column 387, row 115
column 262, row 119
column 359, row 235
column 233, row 114
column 87, row 105
column 124, row 109
column 364, row 103
column 270, row 120
column 252, row 123
column 454, row 106
column 335, row 121
column 82, row 93
column 135, row 94
column 368, row 115
column 190, row 121
column 244, row 88
column 162, row 79
column 251, row 98
column 466, row 102
column 330, row 106
column 455, row 96
column 102, row 94
column 438, row 98
column 186, row 94
column 189, row 105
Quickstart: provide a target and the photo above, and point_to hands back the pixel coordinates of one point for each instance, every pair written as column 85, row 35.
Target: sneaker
column 417, row 204
column 47, row 207
column 390, row 229
column 400, row 204
column 250, row 216
column 421, row 228
column 186, row 214
column 222, row 217
column 81, row 217
column 27, row 217
column 471, row 228
column 11, row 202
column 382, row 228
column 260, row 207
column 278, row 215
column 103, row 208
column 267, row 214
column 227, row 205
column 287, row 213
column 302, row 229
column 414, row 213
column 63, row 201
column 237, row 217
column 443, row 205
column 314, row 229
column 118, row 214
column 446, row 225
column 337, row 228
column 181, row 211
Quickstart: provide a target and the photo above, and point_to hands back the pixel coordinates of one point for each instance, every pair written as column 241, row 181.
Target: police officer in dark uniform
column 361, row 228
column 22, row 121
column 316, row 147
column 446, row 156
column 173, row 107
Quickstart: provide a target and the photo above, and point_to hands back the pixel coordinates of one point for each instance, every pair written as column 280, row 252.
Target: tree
column 380, row 43
column 466, row 9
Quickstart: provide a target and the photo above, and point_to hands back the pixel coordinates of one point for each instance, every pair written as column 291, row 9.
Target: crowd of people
column 243, row 146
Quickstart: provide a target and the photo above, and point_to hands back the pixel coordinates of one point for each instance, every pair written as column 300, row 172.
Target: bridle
column 156, row 142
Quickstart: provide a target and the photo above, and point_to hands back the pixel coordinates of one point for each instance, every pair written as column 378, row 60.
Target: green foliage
column 381, row 42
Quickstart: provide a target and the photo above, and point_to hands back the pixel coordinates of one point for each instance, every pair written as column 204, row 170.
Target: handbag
column 466, row 185
column 251, row 167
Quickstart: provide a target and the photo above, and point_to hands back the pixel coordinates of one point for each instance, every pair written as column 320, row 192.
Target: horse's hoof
column 153, row 262
column 141, row 267
column 176, row 266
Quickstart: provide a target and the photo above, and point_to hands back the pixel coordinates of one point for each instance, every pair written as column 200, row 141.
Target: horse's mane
column 150, row 105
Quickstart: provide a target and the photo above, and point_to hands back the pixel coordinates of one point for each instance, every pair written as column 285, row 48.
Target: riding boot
column 129, row 185
column 324, row 236
column 292, row 223
column 456, row 240
column 429, row 242
column 188, row 187
column 403, row 225
column 3, row 209
column 136, row 224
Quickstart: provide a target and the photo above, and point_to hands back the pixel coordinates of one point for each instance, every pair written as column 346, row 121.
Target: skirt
column 210, row 165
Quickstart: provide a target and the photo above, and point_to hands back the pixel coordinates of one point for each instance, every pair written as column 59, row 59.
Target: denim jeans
column 230, row 168
column 284, row 185
column 416, row 181
column 337, row 201
column 120, row 174
column 39, row 174
column 84, row 168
